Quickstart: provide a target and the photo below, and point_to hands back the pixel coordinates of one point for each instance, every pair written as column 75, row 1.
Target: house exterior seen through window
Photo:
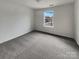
column 49, row 18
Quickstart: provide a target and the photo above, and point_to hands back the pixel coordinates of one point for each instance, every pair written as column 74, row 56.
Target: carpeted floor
column 38, row 45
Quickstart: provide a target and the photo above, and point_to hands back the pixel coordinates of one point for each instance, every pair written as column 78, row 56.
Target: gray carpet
column 37, row 45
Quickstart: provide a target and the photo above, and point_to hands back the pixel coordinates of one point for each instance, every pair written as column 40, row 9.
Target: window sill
column 49, row 26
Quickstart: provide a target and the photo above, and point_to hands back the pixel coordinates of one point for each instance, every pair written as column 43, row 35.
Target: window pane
column 48, row 16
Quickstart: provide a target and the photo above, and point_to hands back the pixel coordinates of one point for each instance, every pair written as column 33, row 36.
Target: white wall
column 63, row 23
column 77, row 20
column 15, row 20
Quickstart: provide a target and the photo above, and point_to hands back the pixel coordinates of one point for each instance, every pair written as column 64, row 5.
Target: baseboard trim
column 17, row 37
column 54, row 35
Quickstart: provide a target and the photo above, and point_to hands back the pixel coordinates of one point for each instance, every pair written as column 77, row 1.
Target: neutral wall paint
column 63, row 22
column 15, row 20
column 77, row 21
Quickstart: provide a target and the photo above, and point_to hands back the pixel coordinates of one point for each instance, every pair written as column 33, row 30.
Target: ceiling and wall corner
column 36, row 4
column 47, row 3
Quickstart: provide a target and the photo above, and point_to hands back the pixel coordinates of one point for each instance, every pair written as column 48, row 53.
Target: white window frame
column 44, row 24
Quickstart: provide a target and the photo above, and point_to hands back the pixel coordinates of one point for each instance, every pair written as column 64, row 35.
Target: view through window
column 49, row 18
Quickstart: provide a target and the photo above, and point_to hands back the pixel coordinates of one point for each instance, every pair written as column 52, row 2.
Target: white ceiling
column 42, row 3
column 46, row 3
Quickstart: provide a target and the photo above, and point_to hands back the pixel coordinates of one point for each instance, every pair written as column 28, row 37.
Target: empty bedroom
column 39, row 29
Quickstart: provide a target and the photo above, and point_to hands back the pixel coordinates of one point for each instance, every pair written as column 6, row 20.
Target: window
column 49, row 18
